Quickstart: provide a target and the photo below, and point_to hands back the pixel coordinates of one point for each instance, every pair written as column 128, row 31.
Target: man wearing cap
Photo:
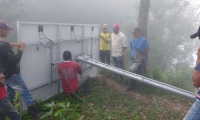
column 140, row 49
column 9, row 67
column 118, row 45
column 194, row 112
column 105, row 45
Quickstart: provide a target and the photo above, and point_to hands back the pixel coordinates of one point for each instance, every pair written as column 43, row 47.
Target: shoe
column 69, row 95
column 119, row 81
column 86, row 96
column 113, row 76
column 33, row 111
column 130, row 86
column 128, row 89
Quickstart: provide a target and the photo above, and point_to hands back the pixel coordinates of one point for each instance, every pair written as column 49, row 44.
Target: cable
column 75, row 92
column 93, row 36
column 46, row 42
column 75, row 37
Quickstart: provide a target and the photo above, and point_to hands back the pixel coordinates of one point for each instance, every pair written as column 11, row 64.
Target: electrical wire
column 75, row 37
column 75, row 92
column 46, row 42
column 93, row 36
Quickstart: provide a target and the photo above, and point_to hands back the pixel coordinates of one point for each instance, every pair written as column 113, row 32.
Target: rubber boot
column 130, row 85
column 121, row 79
column 33, row 111
column 114, row 75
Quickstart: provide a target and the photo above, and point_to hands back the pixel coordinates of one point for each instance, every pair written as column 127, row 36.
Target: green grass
column 144, row 89
column 109, row 104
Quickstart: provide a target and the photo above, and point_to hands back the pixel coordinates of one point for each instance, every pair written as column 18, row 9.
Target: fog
column 169, row 26
column 170, row 23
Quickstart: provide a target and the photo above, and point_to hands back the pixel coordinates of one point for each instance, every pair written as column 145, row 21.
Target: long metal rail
column 139, row 78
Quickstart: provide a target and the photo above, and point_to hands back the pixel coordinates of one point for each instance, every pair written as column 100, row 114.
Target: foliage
column 111, row 104
column 59, row 111
column 16, row 101
column 180, row 78
column 11, row 10
column 170, row 25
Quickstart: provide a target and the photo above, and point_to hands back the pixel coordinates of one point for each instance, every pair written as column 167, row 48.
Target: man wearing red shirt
column 68, row 71
column 6, row 108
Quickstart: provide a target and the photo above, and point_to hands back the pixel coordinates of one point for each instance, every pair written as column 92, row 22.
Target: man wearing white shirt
column 119, row 44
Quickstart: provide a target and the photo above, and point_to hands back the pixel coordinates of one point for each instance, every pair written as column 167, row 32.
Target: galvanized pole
column 139, row 78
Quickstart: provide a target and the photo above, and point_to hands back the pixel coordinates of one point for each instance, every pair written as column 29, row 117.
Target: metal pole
column 139, row 78
column 50, row 61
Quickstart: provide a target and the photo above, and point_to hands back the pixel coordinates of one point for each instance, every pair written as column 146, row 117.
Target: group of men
column 116, row 43
column 11, row 80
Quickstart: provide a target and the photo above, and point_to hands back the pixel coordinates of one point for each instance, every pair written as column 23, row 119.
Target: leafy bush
column 180, row 78
column 60, row 111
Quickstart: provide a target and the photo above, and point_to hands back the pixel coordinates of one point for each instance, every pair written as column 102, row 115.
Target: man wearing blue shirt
column 140, row 48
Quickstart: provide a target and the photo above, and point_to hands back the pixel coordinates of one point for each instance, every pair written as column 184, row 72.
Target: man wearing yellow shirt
column 105, row 45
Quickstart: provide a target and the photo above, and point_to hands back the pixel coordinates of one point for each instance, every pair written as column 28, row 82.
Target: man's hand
column 123, row 53
column 101, row 36
column 14, row 44
column 2, row 80
column 21, row 46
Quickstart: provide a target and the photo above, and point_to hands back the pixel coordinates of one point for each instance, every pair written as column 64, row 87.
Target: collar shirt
column 141, row 44
column 119, row 41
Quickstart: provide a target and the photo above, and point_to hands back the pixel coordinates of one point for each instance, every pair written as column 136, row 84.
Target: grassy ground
column 110, row 104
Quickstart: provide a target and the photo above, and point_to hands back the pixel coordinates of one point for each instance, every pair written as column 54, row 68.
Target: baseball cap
column 105, row 26
column 5, row 26
column 195, row 34
column 115, row 26
column 135, row 30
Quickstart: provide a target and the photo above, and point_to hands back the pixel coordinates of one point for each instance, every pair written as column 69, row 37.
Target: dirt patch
column 174, row 105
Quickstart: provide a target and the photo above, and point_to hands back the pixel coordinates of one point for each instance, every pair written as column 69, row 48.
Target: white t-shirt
column 118, row 42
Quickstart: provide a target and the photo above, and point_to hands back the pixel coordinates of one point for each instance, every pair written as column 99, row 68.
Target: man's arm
column 107, row 41
column 10, row 55
column 124, row 42
column 196, row 73
column 124, row 48
column 2, row 81
column 147, row 51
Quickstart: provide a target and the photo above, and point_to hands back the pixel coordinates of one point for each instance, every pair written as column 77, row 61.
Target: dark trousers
column 85, row 84
column 7, row 109
column 105, row 56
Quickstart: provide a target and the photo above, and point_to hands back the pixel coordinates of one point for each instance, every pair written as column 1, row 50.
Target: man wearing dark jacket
column 194, row 112
column 9, row 67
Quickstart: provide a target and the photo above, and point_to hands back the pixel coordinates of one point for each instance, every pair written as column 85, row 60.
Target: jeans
column 16, row 83
column 134, row 66
column 85, row 83
column 194, row 112
column 118, row 63
column 7, row 109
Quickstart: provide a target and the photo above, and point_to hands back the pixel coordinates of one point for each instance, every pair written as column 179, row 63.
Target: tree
column 144, row 16
column 11, row 10
column 142, row 24
column 170, row 25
